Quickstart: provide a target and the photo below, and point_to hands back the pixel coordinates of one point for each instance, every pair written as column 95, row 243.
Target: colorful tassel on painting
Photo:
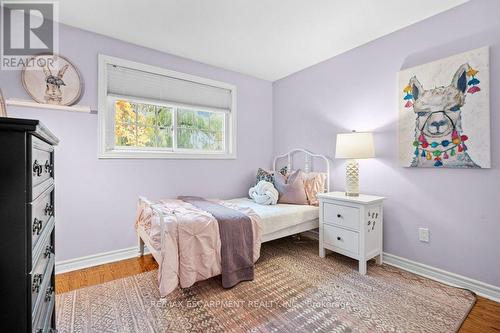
column 473, row 82
column 464, row 137
column 464, row 146
column 408, row 104
column 438, row 164
column 434, row 144
column 460, row 148
column 408, row 97
column 445, row 155
column 472, row 72
column 452, row 153
column 455, row 138
column 428, row 156
column 473, row 89
column 423, row 153
column 445, row 143
column 416, row 152
column 407, row 89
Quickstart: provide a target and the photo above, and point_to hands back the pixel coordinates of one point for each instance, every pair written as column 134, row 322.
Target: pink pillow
column 291, row 188
column 314, row 183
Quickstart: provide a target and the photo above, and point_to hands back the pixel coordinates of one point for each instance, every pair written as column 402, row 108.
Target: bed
column 175, row 257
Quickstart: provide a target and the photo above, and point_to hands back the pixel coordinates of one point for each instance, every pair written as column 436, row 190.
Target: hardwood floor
column 99, row 274
column 484, row 317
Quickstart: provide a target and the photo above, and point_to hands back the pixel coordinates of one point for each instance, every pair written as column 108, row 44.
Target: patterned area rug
column 294, row 291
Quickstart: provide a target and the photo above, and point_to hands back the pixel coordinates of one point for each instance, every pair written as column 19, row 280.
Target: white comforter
column 280, row 216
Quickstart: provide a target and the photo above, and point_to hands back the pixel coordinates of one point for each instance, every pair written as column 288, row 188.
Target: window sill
column 120, row 154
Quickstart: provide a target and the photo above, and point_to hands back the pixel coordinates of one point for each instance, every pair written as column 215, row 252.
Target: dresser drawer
column 48, row 328
column 41, row 212
column 344, row 216
column 42, row 161
column 42, row 320
column 341, row 238
column 44, row 249
column 41, row 274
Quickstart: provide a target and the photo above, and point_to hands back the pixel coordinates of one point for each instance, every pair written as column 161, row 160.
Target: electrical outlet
column 423, row 234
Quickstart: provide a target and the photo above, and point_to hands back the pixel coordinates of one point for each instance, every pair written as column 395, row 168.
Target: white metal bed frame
column 307, row 164
column 145, row 240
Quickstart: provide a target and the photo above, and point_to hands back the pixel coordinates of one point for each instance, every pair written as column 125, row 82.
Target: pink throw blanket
column 192, row 244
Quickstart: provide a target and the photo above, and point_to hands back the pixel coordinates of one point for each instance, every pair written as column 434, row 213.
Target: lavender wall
column 358, row 90
column 96, row 198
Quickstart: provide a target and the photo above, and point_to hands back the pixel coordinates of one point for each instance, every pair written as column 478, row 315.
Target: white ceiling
column 268, row 39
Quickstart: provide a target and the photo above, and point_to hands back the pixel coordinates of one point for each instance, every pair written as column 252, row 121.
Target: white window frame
column 105, row 107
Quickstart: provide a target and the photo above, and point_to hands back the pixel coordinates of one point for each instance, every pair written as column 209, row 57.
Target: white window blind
column 123, row 81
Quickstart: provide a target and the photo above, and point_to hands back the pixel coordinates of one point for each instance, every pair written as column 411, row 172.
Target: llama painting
column 444, row 113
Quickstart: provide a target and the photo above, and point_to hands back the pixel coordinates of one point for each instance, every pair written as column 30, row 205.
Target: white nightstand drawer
column 342, row 215
column 341, row 238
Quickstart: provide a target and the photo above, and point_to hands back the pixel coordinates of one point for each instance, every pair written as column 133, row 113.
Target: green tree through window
column 150, row 125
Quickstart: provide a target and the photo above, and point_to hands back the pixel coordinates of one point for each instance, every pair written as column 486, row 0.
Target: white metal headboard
column 307, row 164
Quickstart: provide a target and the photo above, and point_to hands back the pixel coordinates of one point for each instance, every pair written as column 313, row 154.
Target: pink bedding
column 191, row 248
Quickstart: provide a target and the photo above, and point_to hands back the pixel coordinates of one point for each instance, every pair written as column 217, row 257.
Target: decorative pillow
column 264, row 193
column 291, row 188
column 268, row 176
column 314, row 183
column 284, row 171
column 264, row 175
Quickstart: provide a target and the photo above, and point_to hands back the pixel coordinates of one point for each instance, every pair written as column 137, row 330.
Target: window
column 149, row 112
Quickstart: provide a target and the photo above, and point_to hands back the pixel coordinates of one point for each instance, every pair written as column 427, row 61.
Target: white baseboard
column 97, row 259
column 480, row 288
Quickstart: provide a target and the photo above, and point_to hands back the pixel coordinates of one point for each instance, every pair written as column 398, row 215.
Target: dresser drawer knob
column 339, row 216
column 339, row 238
column 49, row 250
column 48, row 294
column 37, row 168
column 48, row 167
column 49, row 209
column 37, row 282
column 37, row 226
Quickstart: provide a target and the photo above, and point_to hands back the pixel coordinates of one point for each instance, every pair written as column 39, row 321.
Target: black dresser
column 27, row 217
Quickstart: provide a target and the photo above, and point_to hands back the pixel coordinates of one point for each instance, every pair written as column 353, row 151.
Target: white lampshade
column 355, row 145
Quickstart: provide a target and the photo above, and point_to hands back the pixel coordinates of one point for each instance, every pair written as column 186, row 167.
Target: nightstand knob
column 339, row 238
column 339, row 216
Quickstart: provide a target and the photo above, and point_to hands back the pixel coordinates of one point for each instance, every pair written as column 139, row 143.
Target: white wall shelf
column 33, row 104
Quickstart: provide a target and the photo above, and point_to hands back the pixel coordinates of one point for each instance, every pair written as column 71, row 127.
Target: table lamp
column 354, row 146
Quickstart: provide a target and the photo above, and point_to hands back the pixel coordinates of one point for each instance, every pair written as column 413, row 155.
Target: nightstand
column 351, row 226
